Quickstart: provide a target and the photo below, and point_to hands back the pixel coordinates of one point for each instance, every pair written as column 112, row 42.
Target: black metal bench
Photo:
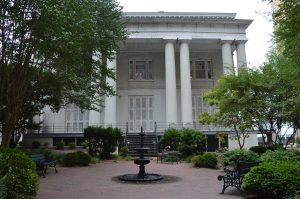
column 42, row 163
column 234, row 178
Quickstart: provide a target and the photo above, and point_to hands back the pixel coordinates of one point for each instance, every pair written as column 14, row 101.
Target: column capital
column 168, row 40
column 240, row 41
column 185, row 41
column 226, row 41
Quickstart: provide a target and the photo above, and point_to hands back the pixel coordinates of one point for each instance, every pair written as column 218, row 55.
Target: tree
column 229, row 97
column 287, row 29
column 48, row 51
column 264, row 99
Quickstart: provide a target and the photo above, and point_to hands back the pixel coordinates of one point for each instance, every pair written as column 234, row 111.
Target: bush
column 77, row 158
column 274, row 180
column 72, row 145
column 84, row 159
column 35, row 145
column 171, row 138
column 258, row 149
column 71, row 159
column 274, row 147
column 84, row 145
column 279, row 155
column 192, row 141
column 207, row 160
column 60, row 145
column 232, row 157
column 21, row 178
column 102, row 141
column 124, row 151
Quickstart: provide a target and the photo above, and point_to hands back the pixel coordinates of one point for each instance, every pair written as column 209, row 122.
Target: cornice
column 184, row 17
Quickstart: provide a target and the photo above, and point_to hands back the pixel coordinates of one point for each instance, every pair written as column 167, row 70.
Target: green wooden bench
column 42, row 163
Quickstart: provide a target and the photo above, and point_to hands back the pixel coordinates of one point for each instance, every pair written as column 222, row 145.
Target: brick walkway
column 95, row 182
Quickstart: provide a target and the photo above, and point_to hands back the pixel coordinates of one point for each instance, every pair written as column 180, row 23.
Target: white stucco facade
column 162, row 69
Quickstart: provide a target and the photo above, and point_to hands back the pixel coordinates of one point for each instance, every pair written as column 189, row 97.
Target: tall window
column 140, row 70
column 141, row 113
column 201, row 69
column 200, row 106
column 76, row 120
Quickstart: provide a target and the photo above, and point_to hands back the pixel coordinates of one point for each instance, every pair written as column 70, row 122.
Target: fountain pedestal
column 142, row 176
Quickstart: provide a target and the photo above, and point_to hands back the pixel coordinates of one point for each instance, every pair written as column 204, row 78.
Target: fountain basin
column 143, row 161
column 135, row 178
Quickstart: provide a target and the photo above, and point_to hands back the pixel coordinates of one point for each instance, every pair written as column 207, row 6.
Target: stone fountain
column 142, row 176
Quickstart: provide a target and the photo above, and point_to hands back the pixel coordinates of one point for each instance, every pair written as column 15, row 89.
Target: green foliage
column 84, row 159
column 21, row 178
column 232, row 157
column 60, row 145
column 298, row 140
column 102, row 141
column 71, row 159
column 171, row 138
column 84, row 145
column 192, row 142
column 59, row 157
column 72, row 145
column 207, row 160
column 3, row 188
column 35, row 145
column 52, row 48
column 187, row 141
column 286, row 19
column 258, row 149
column 124, row 151
column 273, row 180
column 279, row 155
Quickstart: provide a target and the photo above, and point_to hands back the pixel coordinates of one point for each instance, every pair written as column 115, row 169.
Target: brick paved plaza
column 95, row 182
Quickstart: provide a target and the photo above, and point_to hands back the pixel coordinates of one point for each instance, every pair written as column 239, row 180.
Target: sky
column 258, row 33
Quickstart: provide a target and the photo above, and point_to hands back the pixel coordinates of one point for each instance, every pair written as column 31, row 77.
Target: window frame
column 208, row 67
column 132, row 68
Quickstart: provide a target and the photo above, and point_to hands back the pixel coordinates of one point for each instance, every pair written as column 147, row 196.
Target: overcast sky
column 258, row 33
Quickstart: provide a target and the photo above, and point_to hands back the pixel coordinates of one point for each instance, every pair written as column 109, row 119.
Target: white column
column 171, row 96
column 185, row 82
column 241, row 54
column 228, row 67
column 110, row 117
column 94, row 118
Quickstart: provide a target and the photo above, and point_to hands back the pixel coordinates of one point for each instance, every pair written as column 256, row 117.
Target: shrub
column 71, row 159
column 72, row 145
column 84, row 145
column 232, row 157
column 192, row 142
column 102, row 141
column 124, row 151
column 35, row 145
column 60, row 144
column 274, row 180
column 279, row 155
column 207, row 160
column 274, row 147
column 21, row 178
column 258, row 149
column 171, row 138
column 84, row 159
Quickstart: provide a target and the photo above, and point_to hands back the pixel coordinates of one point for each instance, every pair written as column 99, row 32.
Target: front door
column 141, row 113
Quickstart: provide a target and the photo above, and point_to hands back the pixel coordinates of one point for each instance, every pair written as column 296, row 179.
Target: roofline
column 181, row 14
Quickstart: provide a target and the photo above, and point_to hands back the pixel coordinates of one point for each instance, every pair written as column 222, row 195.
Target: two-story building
column 169, row 60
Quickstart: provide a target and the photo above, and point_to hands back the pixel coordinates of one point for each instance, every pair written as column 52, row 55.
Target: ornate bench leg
column 55, row 168
column 44, row 169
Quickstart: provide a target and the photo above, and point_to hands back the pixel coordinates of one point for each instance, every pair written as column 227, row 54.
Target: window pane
column 150, row 70
column 138, row 103
column 144, row 102
column 138, row 115
column 199, row 69
column 209, row 70
column 131, row 71
column 140, row 70
column 150, row 115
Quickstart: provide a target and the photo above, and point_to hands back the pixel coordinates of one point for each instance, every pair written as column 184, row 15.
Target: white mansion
column 169, row 60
